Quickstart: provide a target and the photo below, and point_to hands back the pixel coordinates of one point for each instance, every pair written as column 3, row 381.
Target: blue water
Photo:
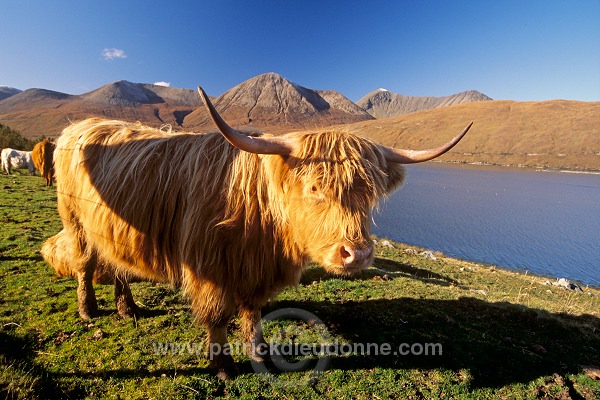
column 547, row 223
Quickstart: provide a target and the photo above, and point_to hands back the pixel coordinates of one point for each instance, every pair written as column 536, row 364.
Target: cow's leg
column 86, row 297
column 254, row 341
column 219, row 353
column 48, row 176
column 126, row 306
column 213, row 307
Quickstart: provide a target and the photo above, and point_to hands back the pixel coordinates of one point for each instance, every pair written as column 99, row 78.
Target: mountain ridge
column 6, row 91
column 548, row 134
column 269, row 101
column 382, row 103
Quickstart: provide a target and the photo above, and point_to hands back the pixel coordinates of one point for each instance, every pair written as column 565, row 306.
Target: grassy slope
column 556, row 134
column 504, row 335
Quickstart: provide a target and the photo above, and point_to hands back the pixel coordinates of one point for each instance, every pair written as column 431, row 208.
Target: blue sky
column 508, row 49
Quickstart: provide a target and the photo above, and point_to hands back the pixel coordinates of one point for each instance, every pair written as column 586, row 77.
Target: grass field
column 502, row 334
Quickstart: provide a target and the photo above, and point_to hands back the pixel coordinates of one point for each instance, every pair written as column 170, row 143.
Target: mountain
column 37, row 112
column 176, row 96
column 557, row 133
column 126, row 94
column 6, row 92
column 271, row 102
column 549, row 134
column 381, row 103
column 123, row 94
column 267, row 102
column 31, row 99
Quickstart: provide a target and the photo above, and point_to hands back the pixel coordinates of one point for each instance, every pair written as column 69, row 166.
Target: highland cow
column 17, row 159
column 232, row 223
column 42, row 156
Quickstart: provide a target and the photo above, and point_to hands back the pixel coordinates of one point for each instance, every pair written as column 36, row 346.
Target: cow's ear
column 396, row 174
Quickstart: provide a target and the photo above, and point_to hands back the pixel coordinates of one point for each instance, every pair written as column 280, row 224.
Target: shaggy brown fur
column 230, row 227
column 42, row 156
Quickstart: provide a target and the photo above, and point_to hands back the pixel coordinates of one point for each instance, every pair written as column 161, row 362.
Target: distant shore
column 589, row 171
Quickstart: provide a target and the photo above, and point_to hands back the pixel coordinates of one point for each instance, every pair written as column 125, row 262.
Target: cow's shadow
column 382, row 267
column 18, row 357
column 498, row 343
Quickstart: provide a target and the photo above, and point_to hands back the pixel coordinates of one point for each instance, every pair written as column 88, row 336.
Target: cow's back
column 42, row 157
column 142, row 198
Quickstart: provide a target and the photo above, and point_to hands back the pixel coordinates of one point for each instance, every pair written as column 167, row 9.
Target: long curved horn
column 258, row 145
column 402, row 156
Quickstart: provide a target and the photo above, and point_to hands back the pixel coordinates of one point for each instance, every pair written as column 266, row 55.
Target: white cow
column 12, row 158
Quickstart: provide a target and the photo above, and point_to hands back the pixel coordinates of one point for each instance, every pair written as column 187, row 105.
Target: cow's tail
column 57, row 252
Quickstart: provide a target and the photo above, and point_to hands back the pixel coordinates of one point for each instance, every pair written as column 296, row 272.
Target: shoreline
column 406, row 247
column 520, row 167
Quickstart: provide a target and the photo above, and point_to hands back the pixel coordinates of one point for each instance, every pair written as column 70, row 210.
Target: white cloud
column 162, row 83
column 111, row 54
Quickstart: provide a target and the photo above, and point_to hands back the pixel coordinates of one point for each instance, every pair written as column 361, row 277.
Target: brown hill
column 552, row 134
column 272, row 103
column 381, row 103
column 267, row 102
column 37, row 112
column 6, row 92
column 31, row 99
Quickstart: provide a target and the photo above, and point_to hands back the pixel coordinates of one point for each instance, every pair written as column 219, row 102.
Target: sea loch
column 547, row 223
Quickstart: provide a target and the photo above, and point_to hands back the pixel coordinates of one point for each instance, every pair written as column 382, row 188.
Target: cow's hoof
column 86, row 304
column 225, row 369
column 256, row 357
column 257, row 353
column 226, row 375
column 130, row 313
column 86, row 315
column 127, row 311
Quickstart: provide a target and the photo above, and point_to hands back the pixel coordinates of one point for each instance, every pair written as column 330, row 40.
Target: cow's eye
column 314, row 191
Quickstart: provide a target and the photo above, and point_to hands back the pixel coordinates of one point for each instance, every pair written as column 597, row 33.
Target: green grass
column 503, row 334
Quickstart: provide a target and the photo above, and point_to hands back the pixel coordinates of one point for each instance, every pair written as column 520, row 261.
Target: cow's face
column 333, row 183
column 330, row 182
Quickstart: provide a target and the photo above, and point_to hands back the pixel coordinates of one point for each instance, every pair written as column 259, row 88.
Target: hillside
column 552, row 134
column 6, row 92
column 271, row 102
column 382, row 103
column 266, row 102
column 37, row 112
column 32, row 99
